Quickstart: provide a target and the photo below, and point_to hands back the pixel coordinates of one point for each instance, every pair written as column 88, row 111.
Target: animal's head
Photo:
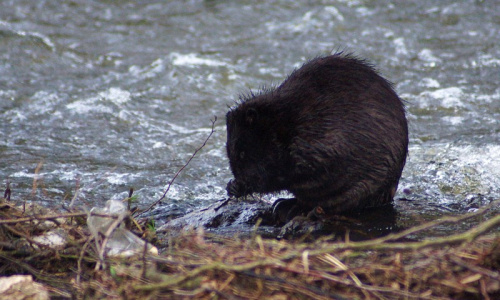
column 256, row 146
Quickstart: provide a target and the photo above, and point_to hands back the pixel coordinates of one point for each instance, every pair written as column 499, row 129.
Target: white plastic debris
column 114, row 210
column 121, row 242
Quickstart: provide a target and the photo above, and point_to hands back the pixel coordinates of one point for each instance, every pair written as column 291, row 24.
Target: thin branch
column 220, row 266
column 36, row 177
column 6, row 195
column 24, row 235
column 77, row 191
column 80, row 259
column 382, row 244
column 443, row 220
column 181, row 169
column 476, row 269
column 52, row 217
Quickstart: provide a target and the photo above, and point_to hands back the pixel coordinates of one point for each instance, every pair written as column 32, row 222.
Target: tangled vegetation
column 198, row 265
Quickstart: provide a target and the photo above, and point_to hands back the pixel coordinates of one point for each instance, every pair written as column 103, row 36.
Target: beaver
column 334, row 134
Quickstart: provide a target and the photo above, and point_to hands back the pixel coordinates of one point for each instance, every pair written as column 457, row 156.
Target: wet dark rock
column 225, row 216
column 239, row 216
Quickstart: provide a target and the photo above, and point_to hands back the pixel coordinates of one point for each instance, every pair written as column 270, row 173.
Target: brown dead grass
column 202, row 266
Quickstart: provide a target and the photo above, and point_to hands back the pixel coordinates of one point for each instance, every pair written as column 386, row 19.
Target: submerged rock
column 225, row 216
column 240, row 216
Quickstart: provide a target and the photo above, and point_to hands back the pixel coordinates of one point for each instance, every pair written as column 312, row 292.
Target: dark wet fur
column 334, row 134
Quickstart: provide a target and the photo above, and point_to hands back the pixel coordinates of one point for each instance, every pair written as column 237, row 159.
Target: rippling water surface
column 102, row 96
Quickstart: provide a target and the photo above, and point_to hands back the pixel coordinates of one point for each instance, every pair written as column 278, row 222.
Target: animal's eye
column 242, row 154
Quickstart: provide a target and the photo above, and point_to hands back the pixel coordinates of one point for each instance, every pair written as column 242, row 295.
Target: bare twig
column 80, row 258
column 22, row 234
column 52, row 217
column 475, row 269
column 382, row 244
column 181, row 169
column 443, row 220
column 171, row 281
column 144, row 261
column 77, row 191
column 36, row 178
column 129, row 199
column 6, row 195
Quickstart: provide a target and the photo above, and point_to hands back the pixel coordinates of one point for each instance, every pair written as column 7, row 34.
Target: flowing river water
column 102, row 96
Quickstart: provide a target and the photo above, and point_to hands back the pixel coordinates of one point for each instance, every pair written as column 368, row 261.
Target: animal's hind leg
column 360, row 195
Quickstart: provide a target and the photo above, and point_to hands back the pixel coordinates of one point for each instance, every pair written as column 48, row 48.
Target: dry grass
column 197, row 265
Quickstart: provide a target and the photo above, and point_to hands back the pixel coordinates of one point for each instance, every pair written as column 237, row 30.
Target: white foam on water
column 116, row 95
column 219, row 152
column 32, row 34
column 400, row 45
column 429, row 83
column 453, row 120
column 68, row 175
column 450, row 97
column 125, row 115
column 484, row 161
column 17, row 116
column 149, row 71
column 22, row 174
column 43, row 102
column 351, row 3
column 490, row 98
column 118, row 179
column 158, row 145
column 270, row 71
column 89, row 105
column 456, row 171
column 486, row 158
column 100, row 103
column 191, row 60
column 427, row 56
column 363, row 11
column 311, row 20
column 9, row 94
column 184, row 130
column 334, row 12
column 488, row 60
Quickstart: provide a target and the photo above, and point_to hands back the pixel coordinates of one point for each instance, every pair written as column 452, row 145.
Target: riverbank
column 197, row 264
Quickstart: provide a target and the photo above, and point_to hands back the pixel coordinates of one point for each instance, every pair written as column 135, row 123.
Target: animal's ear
column 251, row 116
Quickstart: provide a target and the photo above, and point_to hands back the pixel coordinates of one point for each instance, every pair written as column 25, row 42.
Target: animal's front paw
column 301, row 225
column 236, row 188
